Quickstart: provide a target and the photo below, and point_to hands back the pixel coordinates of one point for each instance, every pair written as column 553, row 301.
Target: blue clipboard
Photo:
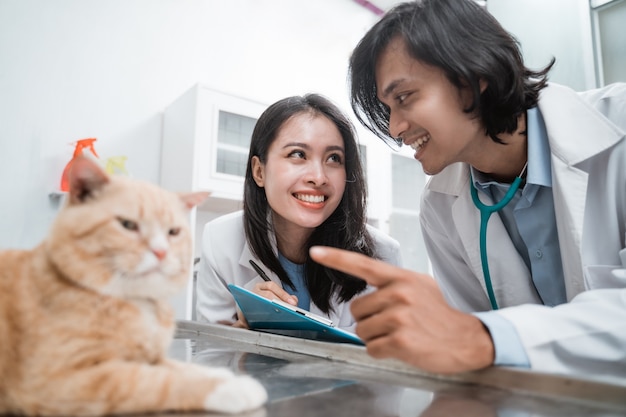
column 274, row 316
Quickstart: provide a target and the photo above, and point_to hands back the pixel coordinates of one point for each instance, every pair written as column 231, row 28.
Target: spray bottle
column 82, row 145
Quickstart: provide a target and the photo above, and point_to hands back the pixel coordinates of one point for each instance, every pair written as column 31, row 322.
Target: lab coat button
column 538, row 254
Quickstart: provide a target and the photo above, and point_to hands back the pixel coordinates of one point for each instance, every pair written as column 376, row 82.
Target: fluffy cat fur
column 85, row 321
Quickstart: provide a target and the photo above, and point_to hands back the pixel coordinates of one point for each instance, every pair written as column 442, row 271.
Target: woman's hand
column 240, row 323
column 271, row 290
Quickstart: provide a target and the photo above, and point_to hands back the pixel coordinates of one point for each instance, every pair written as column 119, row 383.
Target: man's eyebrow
column 392, row 86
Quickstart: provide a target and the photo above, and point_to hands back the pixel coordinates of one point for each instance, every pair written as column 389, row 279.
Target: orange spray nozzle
column 81, row 145
column 85, row 144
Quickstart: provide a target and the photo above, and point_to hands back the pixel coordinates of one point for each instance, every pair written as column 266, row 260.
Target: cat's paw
column 235, row 395
column 221, row 373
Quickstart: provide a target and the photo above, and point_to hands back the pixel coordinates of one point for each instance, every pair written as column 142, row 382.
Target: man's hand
column 407, row 318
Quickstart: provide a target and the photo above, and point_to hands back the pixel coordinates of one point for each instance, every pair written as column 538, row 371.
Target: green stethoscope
column 486, row 212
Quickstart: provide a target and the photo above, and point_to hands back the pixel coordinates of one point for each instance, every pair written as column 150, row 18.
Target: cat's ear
column 193, row 199
column 85, row 178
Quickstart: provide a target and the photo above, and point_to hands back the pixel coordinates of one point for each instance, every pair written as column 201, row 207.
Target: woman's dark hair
column 345, row 228
column 468, row 44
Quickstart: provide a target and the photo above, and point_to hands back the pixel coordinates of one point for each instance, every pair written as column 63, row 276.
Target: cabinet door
column 206, row 137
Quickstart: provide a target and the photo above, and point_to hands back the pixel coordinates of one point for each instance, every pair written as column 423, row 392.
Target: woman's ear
column 258, row 171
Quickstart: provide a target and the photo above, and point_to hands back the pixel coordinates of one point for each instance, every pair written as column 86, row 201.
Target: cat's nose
column 159, row 253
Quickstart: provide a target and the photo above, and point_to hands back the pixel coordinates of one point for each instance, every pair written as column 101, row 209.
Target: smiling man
column 524, row 217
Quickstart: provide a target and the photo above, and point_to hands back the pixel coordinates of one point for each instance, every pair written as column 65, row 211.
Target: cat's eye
column 129, row 224
column 175, row 231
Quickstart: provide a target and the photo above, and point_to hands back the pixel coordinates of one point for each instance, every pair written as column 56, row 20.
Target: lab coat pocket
column 605, row 276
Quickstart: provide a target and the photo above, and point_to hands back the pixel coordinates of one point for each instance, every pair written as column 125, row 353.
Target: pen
column 258, row 269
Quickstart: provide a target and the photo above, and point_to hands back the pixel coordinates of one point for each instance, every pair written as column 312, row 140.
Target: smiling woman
column 304, row 186
column 304, row 178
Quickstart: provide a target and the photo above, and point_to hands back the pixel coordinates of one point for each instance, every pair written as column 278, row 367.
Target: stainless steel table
column 309, row 378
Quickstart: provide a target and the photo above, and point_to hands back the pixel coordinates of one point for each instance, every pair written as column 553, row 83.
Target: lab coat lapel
column 456, row 183
column 569, row 188
column 246, row 255
column 244, row 260
column 567, row 118
column 468, row 228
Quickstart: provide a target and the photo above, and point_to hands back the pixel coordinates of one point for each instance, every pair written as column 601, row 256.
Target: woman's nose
column 316, row 174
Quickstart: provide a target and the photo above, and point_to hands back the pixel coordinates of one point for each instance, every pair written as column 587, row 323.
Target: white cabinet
column 206, row 136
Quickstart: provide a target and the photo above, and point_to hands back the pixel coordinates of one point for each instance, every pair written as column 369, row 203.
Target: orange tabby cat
column 84, row 317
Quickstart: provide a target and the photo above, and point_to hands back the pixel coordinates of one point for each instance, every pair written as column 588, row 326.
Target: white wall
column 71, row 69
column 552, row 28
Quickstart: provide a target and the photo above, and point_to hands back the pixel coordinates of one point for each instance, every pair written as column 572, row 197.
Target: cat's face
column 123, row 237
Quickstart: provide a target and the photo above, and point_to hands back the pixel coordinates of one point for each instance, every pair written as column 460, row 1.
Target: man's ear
column 483, row 85
column 258, row 171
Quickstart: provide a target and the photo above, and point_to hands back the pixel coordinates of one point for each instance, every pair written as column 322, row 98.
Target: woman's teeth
column 419, row 142
column 310, row 198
